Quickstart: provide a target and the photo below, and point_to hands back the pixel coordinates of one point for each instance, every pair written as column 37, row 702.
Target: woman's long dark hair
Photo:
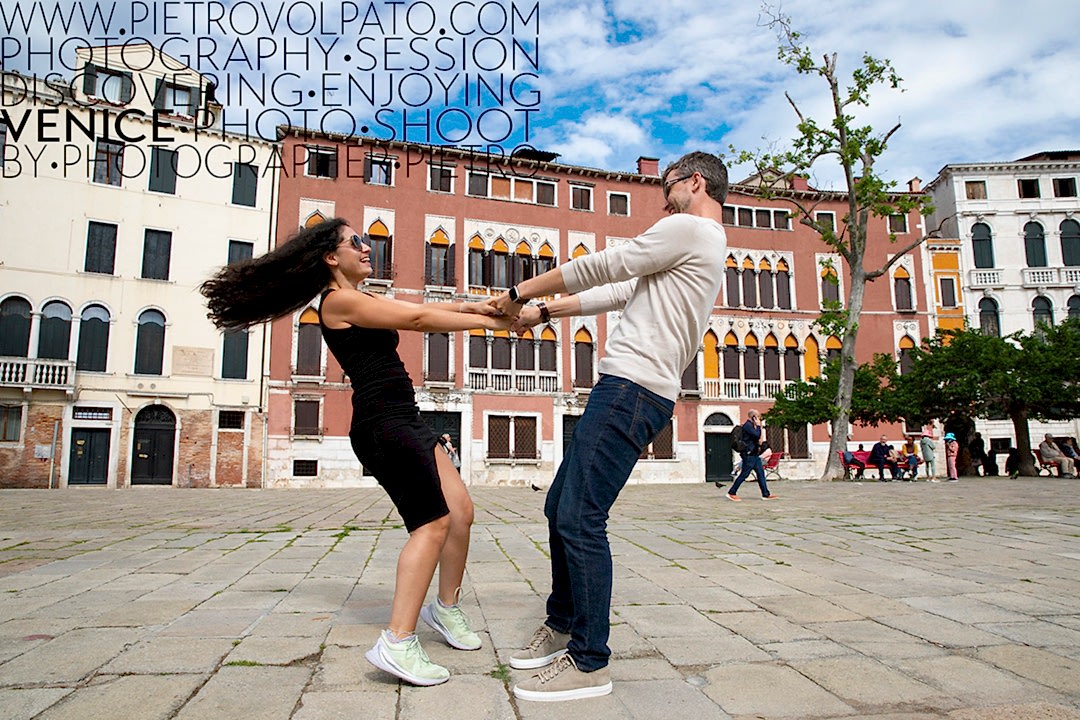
column 275, row 284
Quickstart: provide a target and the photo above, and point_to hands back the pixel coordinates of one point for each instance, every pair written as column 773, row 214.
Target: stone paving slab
column 875, row 601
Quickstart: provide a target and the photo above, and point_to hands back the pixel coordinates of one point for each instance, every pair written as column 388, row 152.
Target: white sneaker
column 406, row 660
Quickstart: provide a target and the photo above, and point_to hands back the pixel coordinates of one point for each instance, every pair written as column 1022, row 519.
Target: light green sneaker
column 407, row 660
column 452, row 624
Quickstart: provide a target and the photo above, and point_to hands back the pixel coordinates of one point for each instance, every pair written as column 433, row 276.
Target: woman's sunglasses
column 358, row 241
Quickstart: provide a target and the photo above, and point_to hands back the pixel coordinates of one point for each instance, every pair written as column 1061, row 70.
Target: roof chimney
column 648, row 166
column 800, row 182
column 914, row 184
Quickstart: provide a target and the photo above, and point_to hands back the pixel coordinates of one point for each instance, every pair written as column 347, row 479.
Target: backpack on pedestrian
column 738, row 442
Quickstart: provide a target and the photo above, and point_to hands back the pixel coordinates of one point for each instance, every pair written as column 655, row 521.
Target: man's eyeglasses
column 668, row 185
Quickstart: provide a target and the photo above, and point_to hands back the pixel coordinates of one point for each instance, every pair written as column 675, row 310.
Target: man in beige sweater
column 665, row 282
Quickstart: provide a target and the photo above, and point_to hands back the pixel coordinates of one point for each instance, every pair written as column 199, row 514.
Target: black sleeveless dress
column 387, row 433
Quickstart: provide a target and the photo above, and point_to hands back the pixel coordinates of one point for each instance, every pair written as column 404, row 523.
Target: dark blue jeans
column 620, row 419
column 751, row 463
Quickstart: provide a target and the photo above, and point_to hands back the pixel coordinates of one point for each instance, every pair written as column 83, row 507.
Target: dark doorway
column 569, row 422
column 89, row 457
column 444, row 422
column 718, row 461
column 152, row 451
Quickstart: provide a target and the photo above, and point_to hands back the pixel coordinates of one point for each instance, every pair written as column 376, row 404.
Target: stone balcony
column 30, row 374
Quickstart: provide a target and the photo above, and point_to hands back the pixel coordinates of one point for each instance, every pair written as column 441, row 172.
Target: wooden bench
column 1047, row 466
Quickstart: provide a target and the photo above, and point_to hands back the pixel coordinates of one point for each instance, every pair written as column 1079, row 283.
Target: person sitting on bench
column 882, row 454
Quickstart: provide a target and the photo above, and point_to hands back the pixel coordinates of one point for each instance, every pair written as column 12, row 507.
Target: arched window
column 477, row 266
column 731, row 281
column 499, row 261
column 526, row 352
column 314, row 219
column 772, row 357
column 579, row 250
column 1034, row 245
column 749, row 284
column 833, row 346
column 989, row 320
column 902, row 288
column 439, row 260
column 548, row 351
column 93, row 339
column 830, row 285
column 14, row 327
column 545, row 259
column 381, row 242
column 309, row 344
column 478, row 354
column 711, row 355
column 521, row 265
column 792, row 369
column 150, row 343
column 438, row 357
column 583, row 359
column 906, row 346
column 731, row 357
column 813, row 358
column 1043, row 311
column 1070, row 242
column 54, row 334
column 751, row 364
column 783, row 286
column 982, row 245
column 765, row 284
column 1074, row 307
column 500, row 350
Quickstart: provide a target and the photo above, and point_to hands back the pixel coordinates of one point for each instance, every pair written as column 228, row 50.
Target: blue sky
column 984, row 80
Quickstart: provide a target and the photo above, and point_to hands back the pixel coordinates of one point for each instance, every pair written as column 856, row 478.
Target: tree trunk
column 1019, row 419
column 834, row 468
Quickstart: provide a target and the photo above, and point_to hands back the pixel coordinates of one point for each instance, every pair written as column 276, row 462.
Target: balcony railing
column 507, row 381
column 719, row 389
column 985, row 278
column 37, row 374
column 1040, row 277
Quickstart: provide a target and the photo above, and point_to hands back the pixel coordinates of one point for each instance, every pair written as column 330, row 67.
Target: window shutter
column 367, row 169
column 451, row 279
column 489, row 268
column 89, row 79
column 127, row 88
column 429, row 273
column 525, row 438
column 499, row 436
column 159, row 94
column 332, row 169
column 194, row 102
column 663, row 444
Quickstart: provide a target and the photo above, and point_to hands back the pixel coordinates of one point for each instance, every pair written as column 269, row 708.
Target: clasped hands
column 522, row 317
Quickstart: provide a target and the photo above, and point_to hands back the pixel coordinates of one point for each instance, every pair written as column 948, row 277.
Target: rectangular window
column 176, row 99
column 512, row 437
column 157, row 248
column 545, row 194
column 100, row 248
column 826, row 220
column 305, row 468
column 1028, row 188
column 975, row 189
column 321, row 162
column 746, row 217
column 245, row 184
column 478, row 185
column 163, row 170
column 240, row 251
column 662, row 447
column 580, row 198
column 378, row 170
column 729, row 215
column 797, row 442
column 10, row 422
column 948, row 292
column 763, row 218
column 306, row 417
column 440, row 178
column 231, row 420
column 898, row 223
column 234, row 354
column 618, row 204
column 1064, row 187
column 109, row 85
column 108, row 162
column 82, row 412
column 500, row 187
column 781, row 219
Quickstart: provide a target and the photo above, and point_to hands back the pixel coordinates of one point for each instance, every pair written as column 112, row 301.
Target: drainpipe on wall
column 52, row 451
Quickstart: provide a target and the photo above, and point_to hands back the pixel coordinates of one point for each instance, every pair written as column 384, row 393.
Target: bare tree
column 855, row 148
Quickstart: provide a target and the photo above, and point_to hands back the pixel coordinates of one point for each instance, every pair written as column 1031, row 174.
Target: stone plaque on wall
column 192, row 361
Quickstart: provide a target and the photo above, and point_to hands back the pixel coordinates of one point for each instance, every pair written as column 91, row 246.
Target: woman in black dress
column 387, row 433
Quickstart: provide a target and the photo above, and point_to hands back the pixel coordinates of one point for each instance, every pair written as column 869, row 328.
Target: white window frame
column 585, row 188
column 441, row 166
column 312, row 151
column 610, row 195
column 386, row 160
column 513, row 432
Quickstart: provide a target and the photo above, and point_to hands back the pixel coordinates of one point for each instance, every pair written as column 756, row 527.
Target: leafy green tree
column 1020, row 376
column 813, row 402
column 855, row 148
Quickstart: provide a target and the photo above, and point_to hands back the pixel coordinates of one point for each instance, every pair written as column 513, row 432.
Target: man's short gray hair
column 708, row 166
